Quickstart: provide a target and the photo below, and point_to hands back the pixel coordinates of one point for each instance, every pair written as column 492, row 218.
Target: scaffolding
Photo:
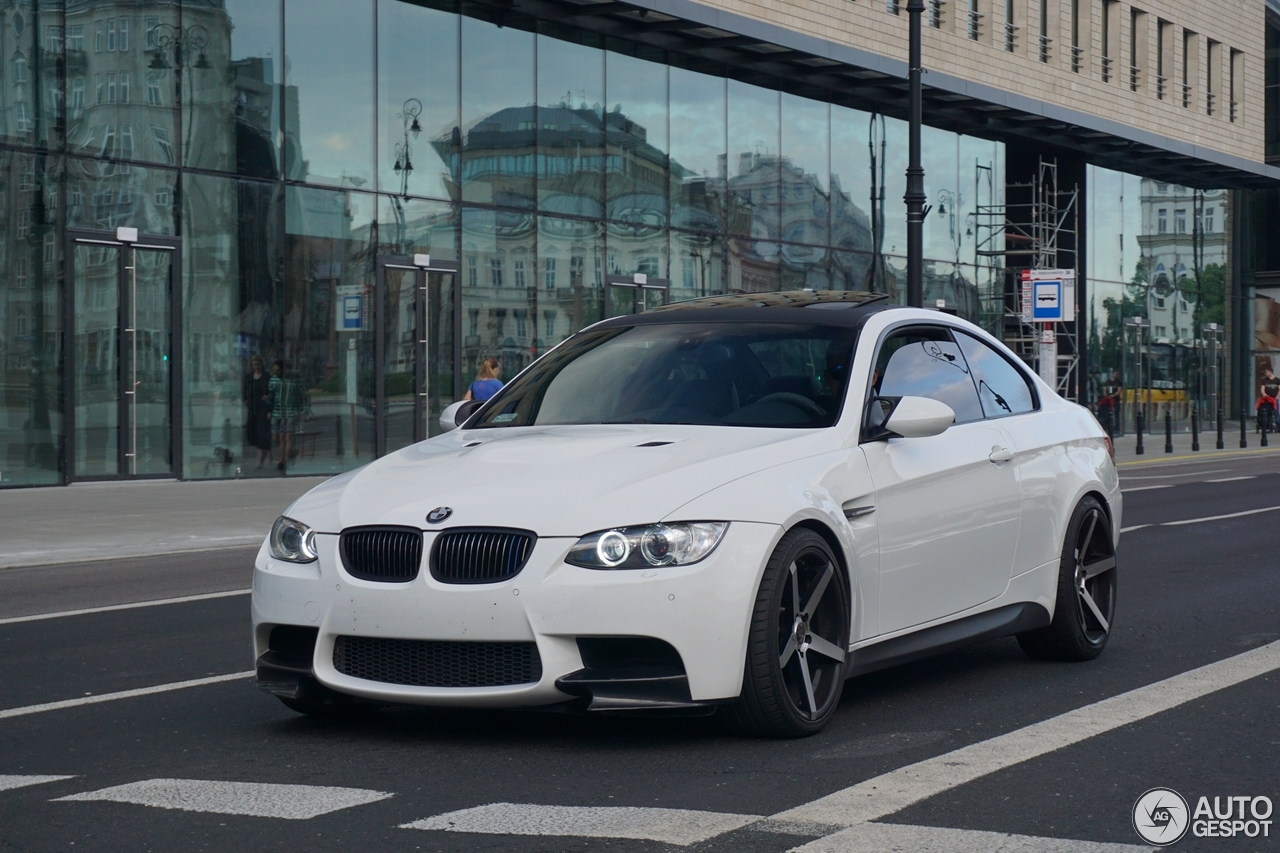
column 1035, row 228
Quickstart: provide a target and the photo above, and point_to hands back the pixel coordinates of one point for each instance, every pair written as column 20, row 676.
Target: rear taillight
column 1111, row 447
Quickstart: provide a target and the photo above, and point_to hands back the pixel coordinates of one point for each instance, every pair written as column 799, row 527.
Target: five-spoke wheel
column 799, row 635
column 1086, row 602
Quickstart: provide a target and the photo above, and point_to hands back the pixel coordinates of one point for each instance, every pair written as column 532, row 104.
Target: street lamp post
column 915, row 197
column 408, row 116
column 1138, row 324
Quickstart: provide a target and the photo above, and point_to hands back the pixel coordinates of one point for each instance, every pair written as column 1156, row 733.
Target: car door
column 1008, row 396
column 947, row 506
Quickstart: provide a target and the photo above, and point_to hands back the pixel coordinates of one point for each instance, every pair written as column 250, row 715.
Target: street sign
column 349, row 308
column 1048, row 296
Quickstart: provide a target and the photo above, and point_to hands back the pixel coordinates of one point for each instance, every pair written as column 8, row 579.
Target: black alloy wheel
column 798, row 643
column 1086, row 603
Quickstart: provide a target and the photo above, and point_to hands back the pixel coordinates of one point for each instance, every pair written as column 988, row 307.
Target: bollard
column 1168, row 431
column 1195, row 430
column 1263, row 422
column 1137, row 427
column 1244, row 442
column 1221, row 443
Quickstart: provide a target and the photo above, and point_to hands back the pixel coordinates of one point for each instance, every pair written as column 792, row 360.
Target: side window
column 927, row 363
column 1003, row 388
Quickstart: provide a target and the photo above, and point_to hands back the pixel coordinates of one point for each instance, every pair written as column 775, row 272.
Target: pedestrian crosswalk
column 253, row 799
column 679, row 828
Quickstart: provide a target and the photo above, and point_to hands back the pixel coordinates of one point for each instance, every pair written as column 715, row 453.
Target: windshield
column 734, row 374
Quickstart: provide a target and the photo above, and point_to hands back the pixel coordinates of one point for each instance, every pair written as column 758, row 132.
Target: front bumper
column 703, row 611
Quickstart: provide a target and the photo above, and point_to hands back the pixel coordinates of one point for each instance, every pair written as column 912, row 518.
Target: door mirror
column 919, row 417
column 456, row 414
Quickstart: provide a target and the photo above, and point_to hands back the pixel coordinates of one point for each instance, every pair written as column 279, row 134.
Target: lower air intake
column 437, row 663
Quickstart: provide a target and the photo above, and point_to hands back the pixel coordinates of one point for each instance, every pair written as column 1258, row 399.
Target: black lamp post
column 915, row 197
column 408, row 116
column 183, row 41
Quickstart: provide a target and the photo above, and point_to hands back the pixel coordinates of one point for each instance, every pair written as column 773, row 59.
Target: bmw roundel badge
column 439, row 514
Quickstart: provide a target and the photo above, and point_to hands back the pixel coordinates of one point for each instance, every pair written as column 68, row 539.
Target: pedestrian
column 488, row 381
column 1269, row 391
column 256, row 391
column 288, row 405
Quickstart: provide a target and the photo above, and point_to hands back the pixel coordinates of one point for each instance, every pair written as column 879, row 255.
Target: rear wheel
column 1086, row 603
column 797, row 646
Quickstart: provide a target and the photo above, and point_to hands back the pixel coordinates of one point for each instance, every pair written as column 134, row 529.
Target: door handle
column 1000, row 454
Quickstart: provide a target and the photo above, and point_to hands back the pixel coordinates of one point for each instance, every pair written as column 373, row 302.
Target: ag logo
column 1161, row 817
column 439, row 514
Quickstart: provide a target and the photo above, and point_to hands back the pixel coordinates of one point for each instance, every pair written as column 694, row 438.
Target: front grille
column 480, row 555
column 390, row 554
column 437, row 663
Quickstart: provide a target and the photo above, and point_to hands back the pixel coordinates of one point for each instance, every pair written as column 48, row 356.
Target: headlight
column 677, row 544
column 292, row 541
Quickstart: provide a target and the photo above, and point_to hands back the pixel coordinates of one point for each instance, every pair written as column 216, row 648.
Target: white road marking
column 1232, row 479
column 894, row 791
column 1146, row 488
column 254, row 799
column 8, row 783
column 1135, row 527
column 1219, row 517
column 12, row 620
column 123, row 694
column 880, row 837
column 672, row 826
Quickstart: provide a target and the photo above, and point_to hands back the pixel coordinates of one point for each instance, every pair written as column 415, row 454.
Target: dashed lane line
column 1147, row 488
column 1233, row 479
column 123, row 694
column 681, row 827
column 892, row 792
column 252, row 799
column 1172, row 476
column 133, row 605
column 1186, row 521
column 8, row 783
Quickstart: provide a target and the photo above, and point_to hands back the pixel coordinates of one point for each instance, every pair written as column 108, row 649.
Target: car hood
column 553, row 480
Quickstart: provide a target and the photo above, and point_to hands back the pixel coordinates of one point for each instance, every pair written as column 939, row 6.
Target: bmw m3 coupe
column 734, row 503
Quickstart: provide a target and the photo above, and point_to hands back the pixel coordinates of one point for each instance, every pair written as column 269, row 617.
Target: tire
column 1084, row 612
column 795, row 663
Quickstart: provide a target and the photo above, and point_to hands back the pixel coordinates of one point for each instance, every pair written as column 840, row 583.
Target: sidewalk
column 1127, row 456
column 102, row 521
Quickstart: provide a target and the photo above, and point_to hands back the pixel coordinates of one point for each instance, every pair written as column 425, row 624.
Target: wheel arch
column 837, row 547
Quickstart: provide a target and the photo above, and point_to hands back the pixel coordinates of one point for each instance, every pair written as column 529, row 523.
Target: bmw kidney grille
column 389, row 554
column 480, row 555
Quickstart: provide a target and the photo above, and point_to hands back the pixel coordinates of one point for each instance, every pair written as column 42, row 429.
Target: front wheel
column 797, row 645
column 1086, row 603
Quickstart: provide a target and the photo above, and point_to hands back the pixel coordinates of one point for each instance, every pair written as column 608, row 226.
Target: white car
column 735, row 502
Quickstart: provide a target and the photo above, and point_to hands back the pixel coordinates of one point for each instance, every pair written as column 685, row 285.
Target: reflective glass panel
column 806, row 167
column 498, row 117
column 699, row 265
column 803, row 266
column 31, row 272
column 322, row 389
column 698, row 171
column 122, row 79
column 570, row 127
column 402, row 367
column 752, row 265
column 417, row 227
column 851, row 270
column 149, row 363
column 940, row 153
column 231, row 92
column 104, row 195
column 31, row 47
column 636, row 178
column 858, row 193
column 754, row 169
column 499, row 249
column 231, row 301
column 418, row 99
column 570, row 282
column 95, row 365
column 329, row 103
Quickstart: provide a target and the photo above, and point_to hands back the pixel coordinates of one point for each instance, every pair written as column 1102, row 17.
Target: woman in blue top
column 487, row 382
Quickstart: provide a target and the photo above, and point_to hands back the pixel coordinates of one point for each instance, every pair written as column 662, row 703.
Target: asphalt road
column 1191, row 595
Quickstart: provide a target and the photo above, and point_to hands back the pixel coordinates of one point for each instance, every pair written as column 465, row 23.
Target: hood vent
column 655, row 444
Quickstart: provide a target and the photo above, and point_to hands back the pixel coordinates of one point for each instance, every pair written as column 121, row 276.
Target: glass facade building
column 221, row 219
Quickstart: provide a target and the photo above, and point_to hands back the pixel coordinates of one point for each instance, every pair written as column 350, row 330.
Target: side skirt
column 1001, row 622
